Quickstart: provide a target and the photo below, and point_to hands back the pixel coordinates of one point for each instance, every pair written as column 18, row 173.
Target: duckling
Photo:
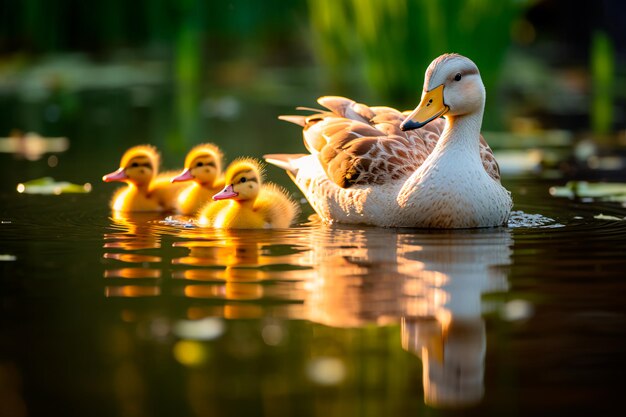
column 248, row 203
column 203, row 168
column 145, row 191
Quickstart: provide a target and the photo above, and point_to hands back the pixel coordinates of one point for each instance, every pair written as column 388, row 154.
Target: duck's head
column 452, row 86
column 243, row 181
column 203, row 164
column 138, row 166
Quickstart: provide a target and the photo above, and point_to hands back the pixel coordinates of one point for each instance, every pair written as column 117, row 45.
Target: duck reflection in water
column 442, row 321
column 132, row 232
column 427, row 285
column 440, row 278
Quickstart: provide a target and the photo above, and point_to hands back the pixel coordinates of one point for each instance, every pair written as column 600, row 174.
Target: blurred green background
column 174, row 73
column 111, row 74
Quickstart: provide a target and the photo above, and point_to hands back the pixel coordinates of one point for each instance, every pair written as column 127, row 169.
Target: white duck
column 368, row 166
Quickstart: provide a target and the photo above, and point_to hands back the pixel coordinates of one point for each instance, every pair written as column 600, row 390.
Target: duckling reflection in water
column 247, row 202
column 146, row 190
column 203, row 169
column 234, row 265
column 237, row 278
column 133, row 231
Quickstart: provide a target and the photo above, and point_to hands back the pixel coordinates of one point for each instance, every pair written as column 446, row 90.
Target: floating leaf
column 48, row 185
column 607, row 217
column 591, row 190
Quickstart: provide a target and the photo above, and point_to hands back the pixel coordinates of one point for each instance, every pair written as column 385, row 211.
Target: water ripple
column 520, row 219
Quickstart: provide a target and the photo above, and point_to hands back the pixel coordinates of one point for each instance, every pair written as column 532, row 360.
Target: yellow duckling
column 145, row 191
column 203, row 168
column 247, row 203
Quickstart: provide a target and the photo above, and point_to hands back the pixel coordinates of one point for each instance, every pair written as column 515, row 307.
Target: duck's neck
column 462, row 133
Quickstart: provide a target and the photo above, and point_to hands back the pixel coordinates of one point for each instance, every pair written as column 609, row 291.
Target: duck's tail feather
column 298, row 120
column 284, row 161
column 347, row 108
column 311, row 109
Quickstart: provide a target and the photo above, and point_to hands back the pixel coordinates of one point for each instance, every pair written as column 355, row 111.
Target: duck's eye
column 134, row 165
column 199, row 164
column 457, row 77
column 243, row 179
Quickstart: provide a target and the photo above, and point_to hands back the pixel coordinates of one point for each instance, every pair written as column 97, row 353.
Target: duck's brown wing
column 361, row 145
column 489, row 160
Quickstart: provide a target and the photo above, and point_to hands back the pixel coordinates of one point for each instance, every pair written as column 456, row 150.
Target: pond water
column 132, row 316
column 135, row 316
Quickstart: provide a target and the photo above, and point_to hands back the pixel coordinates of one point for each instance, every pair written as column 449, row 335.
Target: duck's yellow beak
column 430, row 108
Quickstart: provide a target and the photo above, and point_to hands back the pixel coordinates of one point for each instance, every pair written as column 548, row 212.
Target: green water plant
column 603, row 81
column 388, row 44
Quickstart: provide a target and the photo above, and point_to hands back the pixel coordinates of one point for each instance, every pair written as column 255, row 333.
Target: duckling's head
column 138, row 166
column 452, row 86
column 243, row 181
column 203, row 164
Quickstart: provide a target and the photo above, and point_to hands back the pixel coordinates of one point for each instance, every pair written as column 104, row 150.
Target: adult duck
column 383, row 167
column 203, row 170
column 145, row 190
column 247, row 202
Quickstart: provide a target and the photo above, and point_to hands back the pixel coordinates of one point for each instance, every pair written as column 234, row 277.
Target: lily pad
column 614, row 191
column 608, row 217
column 49, row 186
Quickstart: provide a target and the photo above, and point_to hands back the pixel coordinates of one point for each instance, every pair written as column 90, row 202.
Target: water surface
column 117, row 315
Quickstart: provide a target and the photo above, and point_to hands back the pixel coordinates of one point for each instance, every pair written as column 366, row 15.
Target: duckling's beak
column 431, row 107
column 226, row 193
column 118, row 175
column 184, row 176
